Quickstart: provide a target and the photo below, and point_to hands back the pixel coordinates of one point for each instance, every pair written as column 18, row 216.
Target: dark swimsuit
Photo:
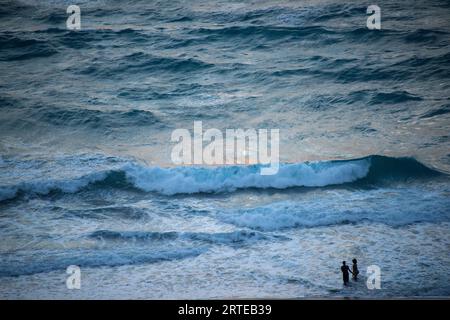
column 345, row 270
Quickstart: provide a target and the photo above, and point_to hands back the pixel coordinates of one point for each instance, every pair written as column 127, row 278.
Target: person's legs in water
column 345, row 276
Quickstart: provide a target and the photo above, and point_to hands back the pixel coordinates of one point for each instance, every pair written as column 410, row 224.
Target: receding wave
column 192, row 180
column 38, row 262
column 410, row 206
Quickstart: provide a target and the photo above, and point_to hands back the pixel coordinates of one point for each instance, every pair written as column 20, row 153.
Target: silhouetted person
column 345, row 270
column 355, row 270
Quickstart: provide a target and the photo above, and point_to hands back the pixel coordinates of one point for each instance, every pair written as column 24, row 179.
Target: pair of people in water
column 346, row 269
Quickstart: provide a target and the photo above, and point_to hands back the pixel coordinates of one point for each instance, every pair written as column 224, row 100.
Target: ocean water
column 86, row 176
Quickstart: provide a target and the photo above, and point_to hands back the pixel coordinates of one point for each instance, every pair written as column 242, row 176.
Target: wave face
column 192, row 180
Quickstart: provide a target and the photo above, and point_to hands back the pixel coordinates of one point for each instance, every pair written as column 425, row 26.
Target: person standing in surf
column 355, row 270
column 345, row 270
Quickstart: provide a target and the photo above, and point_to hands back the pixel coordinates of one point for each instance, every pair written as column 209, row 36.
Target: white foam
column 395, row 207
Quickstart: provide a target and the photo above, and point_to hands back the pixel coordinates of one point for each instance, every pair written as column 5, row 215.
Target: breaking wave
column 192, row 180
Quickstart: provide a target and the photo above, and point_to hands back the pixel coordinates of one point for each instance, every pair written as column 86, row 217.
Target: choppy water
column 86, row 177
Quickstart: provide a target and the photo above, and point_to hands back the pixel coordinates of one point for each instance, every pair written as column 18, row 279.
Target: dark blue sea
column 86, row 176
